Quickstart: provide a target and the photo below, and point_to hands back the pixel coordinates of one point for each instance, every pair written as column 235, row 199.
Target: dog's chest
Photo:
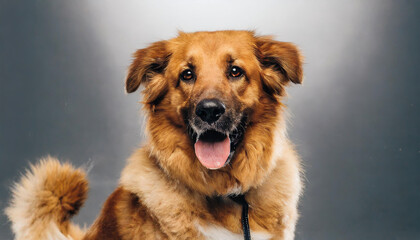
column 213, row 232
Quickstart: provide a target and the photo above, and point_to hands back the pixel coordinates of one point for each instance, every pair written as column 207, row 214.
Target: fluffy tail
column 45, row 199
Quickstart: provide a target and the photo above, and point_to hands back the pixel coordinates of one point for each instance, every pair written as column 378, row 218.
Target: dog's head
column 213, row 103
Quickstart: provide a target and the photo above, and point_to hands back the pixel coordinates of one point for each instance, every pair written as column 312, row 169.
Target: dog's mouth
column 215, row 149
column 212, row 149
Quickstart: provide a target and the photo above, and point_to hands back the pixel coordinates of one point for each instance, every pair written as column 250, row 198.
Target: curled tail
column 44, row 200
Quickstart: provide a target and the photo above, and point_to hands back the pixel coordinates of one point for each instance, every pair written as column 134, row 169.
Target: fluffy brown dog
column 216, row 128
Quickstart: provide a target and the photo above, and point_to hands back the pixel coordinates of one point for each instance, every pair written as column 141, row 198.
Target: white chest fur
column 213, row 232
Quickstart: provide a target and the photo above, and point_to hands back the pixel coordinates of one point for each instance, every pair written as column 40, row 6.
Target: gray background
column 355, row 120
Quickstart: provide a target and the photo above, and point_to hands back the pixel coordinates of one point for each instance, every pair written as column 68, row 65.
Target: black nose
column 209, row 110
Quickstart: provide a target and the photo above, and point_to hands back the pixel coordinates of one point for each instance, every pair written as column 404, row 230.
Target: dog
column 216, row 130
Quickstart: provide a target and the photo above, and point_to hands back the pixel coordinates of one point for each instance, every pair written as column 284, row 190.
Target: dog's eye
column 187, row 75
column 236, row 72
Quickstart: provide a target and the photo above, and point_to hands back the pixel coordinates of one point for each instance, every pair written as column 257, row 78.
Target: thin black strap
column 240, row 199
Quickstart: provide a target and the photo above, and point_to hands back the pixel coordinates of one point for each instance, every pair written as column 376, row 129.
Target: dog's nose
column 209, row 110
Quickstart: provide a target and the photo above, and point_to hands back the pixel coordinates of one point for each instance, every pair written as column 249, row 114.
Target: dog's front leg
column 170, row 204
column 278, row 214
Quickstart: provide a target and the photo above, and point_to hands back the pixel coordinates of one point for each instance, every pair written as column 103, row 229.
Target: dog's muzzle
column 216, row 132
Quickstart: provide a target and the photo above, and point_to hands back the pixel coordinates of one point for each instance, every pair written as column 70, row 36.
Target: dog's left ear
column 147, row 68
column 281, row 63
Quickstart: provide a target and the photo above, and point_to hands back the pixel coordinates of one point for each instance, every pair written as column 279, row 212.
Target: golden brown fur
column 164, row 191
column 44, row 200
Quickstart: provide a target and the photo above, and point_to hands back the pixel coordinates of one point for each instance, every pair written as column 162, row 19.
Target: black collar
column 240, row 199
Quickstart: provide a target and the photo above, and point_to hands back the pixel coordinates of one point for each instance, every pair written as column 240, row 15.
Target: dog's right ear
column 281, row 63
column 147, row 64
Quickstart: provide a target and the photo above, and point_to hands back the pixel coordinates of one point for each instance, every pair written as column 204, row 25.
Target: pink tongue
column 212, row 155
